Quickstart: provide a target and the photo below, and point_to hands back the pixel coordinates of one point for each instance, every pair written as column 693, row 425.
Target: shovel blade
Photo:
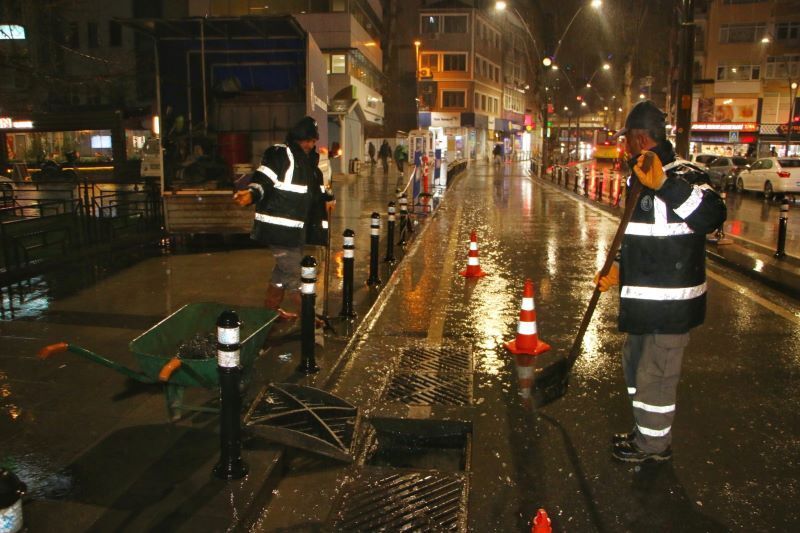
column 551, row 383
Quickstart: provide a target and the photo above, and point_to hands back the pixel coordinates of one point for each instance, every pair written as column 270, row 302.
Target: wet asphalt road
column 736, row 432
column 736, row 429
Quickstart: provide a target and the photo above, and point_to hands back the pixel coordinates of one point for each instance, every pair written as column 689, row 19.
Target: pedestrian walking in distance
column 662, row 279
column 400, row 156
column 497, row 154
column 371, row 153
column 384, row 154
column 292, row 207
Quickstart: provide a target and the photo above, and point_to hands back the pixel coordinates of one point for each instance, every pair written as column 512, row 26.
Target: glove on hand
column 243, row 198
column 654, row 177
column 609, row 280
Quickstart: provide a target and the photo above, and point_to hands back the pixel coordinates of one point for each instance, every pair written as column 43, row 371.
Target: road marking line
column 777, row 309
column 439, row 303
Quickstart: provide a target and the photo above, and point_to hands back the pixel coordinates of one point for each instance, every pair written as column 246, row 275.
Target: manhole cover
column 384, row 499
column 306, row 418
column 430, row 389
column 439, row 359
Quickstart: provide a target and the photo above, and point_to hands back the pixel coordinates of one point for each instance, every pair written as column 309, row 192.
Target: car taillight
column 784, row 174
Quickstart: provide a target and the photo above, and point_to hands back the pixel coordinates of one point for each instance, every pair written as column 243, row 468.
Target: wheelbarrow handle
column 168, row 369
column 48, row 351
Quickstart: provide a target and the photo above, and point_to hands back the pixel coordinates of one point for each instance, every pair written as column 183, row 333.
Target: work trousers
column 652, row 366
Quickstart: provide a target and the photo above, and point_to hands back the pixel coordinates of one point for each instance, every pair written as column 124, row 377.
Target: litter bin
column 355, row 166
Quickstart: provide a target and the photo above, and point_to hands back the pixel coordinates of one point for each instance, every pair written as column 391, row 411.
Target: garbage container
column 355, row 166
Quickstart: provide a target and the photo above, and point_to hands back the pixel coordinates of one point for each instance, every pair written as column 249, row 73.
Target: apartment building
column 747, row 56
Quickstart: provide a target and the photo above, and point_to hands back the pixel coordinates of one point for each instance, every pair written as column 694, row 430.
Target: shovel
column 551, row 382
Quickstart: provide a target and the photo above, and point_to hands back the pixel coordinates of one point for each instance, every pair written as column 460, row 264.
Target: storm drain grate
column 383, row 499
column 440, row 359
column 427, row 389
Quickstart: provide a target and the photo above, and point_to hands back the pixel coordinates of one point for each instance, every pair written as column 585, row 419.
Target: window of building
column 455, row 24
column 114, row 33
column 787, row 31
column 429, row 24
column 430, row 61
column 483, row 102
column 455, row 62
column 454, row 99
column 741, row 33
column 738, row 72
column 74, row 35
column 92, row 39
column 338, row 64
column 783, row 67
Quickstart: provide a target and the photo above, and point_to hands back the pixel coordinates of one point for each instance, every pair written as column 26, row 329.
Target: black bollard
column 403, row 219
column 598, row 187
column 390, row 235
column 230, row 465
column 374, row 243
column 575, row 186
column 783, row 222
column 308, row 292
column 347, row 279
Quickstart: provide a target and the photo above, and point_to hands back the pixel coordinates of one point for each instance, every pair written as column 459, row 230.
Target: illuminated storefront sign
column 8, row 123
column 725, row 126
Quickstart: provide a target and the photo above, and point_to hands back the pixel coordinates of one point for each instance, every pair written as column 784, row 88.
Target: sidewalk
column 425, row 357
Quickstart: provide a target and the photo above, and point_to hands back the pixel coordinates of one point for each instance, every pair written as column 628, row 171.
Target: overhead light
column 583, row 104
column 370, row 43
column 555, row 67
column 641, row 96
column 588, row 85
column 547, row 61
column 500, row 6
column 728, row 101
column 597, row 3
column 606, row 66
column 765, row 39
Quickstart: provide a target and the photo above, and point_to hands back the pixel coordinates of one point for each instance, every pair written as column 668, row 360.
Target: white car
column 771, row 175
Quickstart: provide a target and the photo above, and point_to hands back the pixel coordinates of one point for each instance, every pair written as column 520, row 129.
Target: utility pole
column 545, row 140
column 684, row 97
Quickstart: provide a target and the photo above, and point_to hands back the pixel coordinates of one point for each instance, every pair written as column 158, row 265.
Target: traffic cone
column 541, row 522
column 527, row 340
column 473, row 266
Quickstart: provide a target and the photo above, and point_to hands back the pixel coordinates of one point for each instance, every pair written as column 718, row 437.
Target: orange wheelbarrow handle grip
column 168, row 369
column 53, row 349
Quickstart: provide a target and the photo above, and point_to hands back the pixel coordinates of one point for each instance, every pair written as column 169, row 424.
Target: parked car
column 723, row 171
column 702, row 160
column 771, row 175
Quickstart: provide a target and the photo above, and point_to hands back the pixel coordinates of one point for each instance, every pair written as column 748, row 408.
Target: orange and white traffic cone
column 527, row 340
column 541, row 523
column 473, row 265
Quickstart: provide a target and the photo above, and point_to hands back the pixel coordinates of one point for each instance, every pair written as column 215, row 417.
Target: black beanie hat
column 305, row 129
column 645, row 115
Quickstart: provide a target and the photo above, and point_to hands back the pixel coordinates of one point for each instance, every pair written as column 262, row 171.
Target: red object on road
column 541, row 523
column 473, row 265
column 527, row 340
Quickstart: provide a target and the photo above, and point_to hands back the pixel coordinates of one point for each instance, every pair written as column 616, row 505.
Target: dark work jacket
column 290, row 197
column 662, row 259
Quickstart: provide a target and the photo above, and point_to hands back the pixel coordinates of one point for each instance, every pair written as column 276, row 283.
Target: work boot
column 629, row 452
column 273, row 301
column 617, row 438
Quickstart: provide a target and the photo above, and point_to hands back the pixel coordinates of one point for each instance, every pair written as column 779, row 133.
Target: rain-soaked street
column 98, row 451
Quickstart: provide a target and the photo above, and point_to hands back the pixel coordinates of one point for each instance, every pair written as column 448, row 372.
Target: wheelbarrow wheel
column 173, row 394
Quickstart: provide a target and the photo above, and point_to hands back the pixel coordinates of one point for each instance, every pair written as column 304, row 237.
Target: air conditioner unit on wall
column 425, row 72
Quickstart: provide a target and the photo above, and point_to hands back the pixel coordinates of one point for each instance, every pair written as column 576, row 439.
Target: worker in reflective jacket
column 292, row 206
column 662, row 279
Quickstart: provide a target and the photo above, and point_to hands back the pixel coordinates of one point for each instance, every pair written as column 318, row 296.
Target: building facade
column 747, row 56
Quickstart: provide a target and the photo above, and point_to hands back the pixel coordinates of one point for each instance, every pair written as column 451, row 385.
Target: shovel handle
column 630, row 203
column 168, row 369
column 52, row 349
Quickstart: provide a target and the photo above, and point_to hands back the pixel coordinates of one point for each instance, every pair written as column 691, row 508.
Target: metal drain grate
column 428, row 359
column 306, row 418
column 427, row 389
column 382, row 499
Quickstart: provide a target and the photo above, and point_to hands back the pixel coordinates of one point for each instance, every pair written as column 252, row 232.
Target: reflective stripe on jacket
column 662, row 259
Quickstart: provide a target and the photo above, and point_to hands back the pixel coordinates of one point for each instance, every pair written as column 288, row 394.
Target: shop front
column 478, row 125
column 460, row 138
column 774, row 138
column 724, row 138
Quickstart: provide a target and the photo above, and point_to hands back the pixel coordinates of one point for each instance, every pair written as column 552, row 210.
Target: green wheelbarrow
column 155, row 351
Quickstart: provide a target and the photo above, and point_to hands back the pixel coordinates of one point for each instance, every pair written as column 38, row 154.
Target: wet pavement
column 99, row 454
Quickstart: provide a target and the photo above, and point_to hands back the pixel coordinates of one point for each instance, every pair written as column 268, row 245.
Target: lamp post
column 417, row 44
column 790, row 122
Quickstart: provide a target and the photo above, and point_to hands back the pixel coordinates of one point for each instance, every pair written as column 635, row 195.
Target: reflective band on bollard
column 390, row 234
column 308, row 284
column 230, row 465
column 347, row 278
column 404, row 225
column 374, row 243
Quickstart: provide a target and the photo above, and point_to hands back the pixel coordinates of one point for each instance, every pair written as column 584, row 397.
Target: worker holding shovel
column 662, row 279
